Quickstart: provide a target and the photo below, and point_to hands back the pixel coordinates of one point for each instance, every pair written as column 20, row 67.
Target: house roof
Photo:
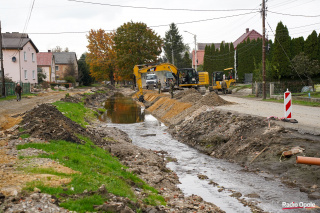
column 249, row 34
column 16, row 41
column 65, row 57
column 202, row 46
column 44, row 58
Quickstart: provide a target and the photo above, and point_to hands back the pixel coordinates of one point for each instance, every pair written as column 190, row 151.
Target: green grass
column 14, row 97
column 25, row 136
column 76, row 112
column 246, row 86
column 102, row 110
column 97, row 167
column 312, row 95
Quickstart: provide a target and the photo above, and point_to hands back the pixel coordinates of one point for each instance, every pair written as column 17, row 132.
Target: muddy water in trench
column 151, row 134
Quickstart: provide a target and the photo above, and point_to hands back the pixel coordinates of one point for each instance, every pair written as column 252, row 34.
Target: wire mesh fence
column 10, row 88
column 278, row 88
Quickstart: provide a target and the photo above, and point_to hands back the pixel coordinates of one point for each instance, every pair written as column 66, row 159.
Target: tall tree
column 186, row 60
column 206, row 58
column 84, row 71
column 305, row 67
column 173, row 44
column 101, row 55
column 135, row 43
column 281, row 52
column 311, row 46
column 297, row 45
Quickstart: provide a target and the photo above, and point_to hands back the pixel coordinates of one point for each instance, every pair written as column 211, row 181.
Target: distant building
column 65, row 61
column 46, row 62
column 252, row 35
column 19, row 57
column 200, row 52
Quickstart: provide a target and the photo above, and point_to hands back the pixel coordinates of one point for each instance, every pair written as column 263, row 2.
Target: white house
column 19, row 57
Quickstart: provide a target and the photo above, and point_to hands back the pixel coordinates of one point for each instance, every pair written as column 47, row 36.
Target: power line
column 158, row 8
column 296, row 15
column 163, row 25
column 223, row 17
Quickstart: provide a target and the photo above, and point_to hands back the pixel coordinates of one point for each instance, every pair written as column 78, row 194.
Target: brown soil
column 242, row 139
column 47, row 123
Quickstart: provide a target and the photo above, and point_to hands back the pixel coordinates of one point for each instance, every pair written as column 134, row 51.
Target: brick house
column 46, row 62
column 63, row 62
column 19, row 57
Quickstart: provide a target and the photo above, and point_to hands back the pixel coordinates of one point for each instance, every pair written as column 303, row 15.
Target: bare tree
column 58, row 49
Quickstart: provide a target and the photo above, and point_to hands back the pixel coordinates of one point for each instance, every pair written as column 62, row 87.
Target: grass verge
column 14, row 97
column 76, row 112
column 96, row 167
column 304, row 103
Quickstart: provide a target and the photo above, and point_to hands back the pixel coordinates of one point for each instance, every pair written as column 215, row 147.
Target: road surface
column 308, row 117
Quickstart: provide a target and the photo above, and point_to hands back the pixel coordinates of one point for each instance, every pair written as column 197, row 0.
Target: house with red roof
column 252, row 35
column 46, row 62
column 200, row 52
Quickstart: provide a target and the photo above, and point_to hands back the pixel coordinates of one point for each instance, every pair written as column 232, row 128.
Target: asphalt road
column 308, row 117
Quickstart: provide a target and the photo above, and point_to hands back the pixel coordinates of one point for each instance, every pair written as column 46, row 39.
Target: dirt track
column 12, row 107
column 308, row 117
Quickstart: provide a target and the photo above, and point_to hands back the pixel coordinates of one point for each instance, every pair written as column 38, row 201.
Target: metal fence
column 278, row 88
column 11, row 86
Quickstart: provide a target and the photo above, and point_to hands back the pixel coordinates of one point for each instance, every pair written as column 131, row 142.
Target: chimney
column 49, row 51
column 247, row 30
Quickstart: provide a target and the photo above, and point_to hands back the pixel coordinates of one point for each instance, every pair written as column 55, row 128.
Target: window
column 57, row 68
column 25, row 55
column 33, row 59
column 33, row 74
column 25, row 74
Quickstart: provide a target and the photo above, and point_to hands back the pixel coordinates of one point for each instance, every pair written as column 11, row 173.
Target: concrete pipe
column 308, row 160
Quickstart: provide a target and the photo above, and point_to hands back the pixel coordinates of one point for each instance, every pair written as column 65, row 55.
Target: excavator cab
column 188, row 76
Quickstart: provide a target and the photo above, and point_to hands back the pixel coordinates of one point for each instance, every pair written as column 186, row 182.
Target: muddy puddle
column 225, row 178
column 121, row 109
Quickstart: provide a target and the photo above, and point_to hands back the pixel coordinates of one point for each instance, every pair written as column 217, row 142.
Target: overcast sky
column 60, row 16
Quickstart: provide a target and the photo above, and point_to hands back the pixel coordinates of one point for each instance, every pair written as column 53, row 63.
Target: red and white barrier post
column 287, row 104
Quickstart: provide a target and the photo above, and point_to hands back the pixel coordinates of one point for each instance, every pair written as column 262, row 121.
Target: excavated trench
column 228, row 185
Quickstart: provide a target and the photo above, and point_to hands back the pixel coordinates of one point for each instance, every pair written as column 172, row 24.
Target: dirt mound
column 71, row 99
column 185, row 93
column 47, row 122
column 212, row 99
column 193, row 97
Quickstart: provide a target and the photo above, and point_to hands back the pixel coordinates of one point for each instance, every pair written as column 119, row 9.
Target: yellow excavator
column 185, row 78
column 219, row 78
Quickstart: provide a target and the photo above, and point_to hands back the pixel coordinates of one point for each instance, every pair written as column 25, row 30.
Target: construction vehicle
column 184, row 78
column 151, row 81
column 219, row 77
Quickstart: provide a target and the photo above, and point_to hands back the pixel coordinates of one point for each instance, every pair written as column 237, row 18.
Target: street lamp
column 195, row 49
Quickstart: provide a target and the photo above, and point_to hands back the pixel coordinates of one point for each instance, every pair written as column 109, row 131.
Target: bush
column 70, row 79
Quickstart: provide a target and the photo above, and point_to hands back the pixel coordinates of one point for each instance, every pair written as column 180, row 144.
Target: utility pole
column 264, row 49
column 2, row 69
column 195, row 49
column 195, row 52
column 172, row 49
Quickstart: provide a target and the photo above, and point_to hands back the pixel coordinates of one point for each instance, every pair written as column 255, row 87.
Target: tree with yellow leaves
column 101, row 55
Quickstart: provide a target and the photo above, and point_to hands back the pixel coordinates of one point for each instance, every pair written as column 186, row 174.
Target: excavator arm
column 139, row 69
